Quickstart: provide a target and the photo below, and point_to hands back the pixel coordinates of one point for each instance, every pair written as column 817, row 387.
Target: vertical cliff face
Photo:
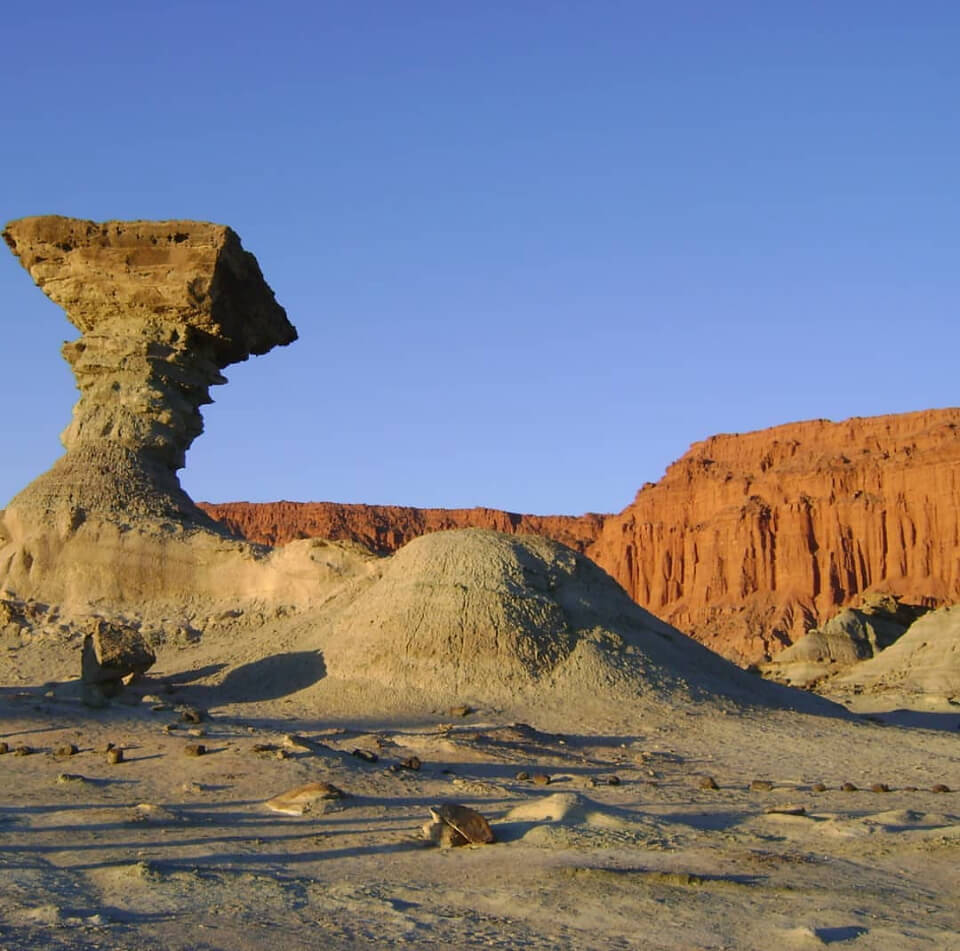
column 385, row 528
column 749, row 540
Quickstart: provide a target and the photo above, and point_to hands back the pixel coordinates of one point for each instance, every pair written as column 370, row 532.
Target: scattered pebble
column 848, row 787
column 940, row 788
column 879, row 787
column 71, row 778
column 197, row 731
column 707, row 782
column 282, row 754
column 613, row 780
column 114, row 756
column 366, row 755
column 785, row 810
column 522, row 777
column 21, row 749
column 461, row 711
column 68, row 749
column 412, row 762
column 4, row 747
column 761, row 785
column 312, row 797
column 191, row 715
column 819, row 787
column 195, row 749
column 540, row 779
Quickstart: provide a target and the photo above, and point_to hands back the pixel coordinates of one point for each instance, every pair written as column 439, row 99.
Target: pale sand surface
column 166, row 850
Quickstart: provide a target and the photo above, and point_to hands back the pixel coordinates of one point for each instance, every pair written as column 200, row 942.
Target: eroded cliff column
column 163, row 307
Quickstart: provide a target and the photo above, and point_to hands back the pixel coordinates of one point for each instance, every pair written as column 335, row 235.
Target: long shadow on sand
column 269, row 678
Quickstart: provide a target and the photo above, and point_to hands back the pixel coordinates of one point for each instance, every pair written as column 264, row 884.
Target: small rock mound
column 481, row 614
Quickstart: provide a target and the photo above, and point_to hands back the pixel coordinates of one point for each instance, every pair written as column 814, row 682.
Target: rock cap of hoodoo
column 184, row 274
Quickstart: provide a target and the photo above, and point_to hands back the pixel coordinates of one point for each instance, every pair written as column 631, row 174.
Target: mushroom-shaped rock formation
column 163, row 307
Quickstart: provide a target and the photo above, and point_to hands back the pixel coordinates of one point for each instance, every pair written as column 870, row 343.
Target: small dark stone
column 848, row 787
column 707, row 782
column 366, row 755
column 114, row 756
column 761, row 785
column 191, row 715
column 818, row 787
column 522, row 777
column 194, row 749
column 107, row 747
column 4, row 747
column 613, row 780
column 263, row 747
column 879, row 787
column 940, row 788
column 412, row 762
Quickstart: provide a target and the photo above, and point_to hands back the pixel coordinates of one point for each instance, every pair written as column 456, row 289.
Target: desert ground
column 622, row 848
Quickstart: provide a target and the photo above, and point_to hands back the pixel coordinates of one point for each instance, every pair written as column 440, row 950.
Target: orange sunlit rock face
column 747, row 541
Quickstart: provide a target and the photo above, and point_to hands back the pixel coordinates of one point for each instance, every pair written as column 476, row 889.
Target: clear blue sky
column 533, row 249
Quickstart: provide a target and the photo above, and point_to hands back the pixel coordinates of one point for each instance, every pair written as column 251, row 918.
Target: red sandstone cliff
column 748, row 540
column 384, row 528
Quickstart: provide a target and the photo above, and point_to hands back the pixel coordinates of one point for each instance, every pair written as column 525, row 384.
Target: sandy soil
column 169, row 850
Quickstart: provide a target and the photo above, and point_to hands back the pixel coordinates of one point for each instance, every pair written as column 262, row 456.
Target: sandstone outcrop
column 924, row 662
column 853, row 635
column 113, row 654
column 748, row 541
column 163, row 307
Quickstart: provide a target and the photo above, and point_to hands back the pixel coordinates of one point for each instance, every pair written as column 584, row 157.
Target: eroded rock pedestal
column 163, row 307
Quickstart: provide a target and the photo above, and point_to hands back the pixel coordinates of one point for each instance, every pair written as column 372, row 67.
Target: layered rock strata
column 162, row 307
column 385, row 528
column 748, row 541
